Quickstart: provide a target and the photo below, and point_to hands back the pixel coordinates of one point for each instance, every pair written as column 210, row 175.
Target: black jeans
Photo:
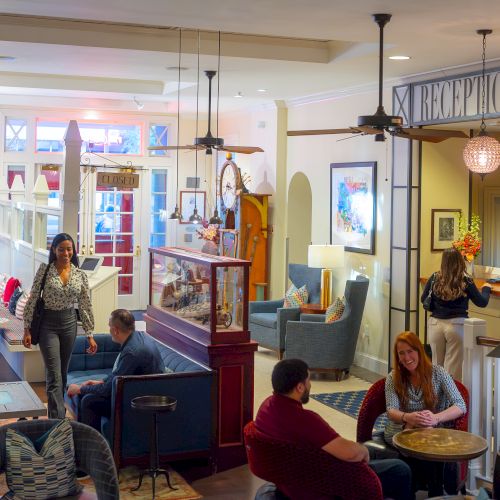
column 92, row 408
column 395, row 476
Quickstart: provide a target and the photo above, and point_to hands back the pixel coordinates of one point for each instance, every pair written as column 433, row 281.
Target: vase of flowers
column 469, row 241
column 209, row 233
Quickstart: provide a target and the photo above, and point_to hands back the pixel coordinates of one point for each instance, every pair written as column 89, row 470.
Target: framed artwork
column 187, row 204
column 444, row 227
column 353, row 199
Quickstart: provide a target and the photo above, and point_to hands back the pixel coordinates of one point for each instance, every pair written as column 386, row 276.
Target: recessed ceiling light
column 7, row 58
column 261, row 90
column 399, row 58
column 239, row 94
column 176, row 68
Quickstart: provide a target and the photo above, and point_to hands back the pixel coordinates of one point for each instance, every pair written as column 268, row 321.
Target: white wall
column 312, row 155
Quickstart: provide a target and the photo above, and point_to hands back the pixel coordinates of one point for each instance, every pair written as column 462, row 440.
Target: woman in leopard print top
column 65, row 286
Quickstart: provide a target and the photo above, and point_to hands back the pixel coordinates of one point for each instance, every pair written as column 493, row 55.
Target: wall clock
column 230, row 184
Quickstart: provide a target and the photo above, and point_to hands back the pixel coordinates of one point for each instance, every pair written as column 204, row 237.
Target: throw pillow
column 295, row 297
column 21, row 304
column 13, row 300
column 3, row 282
column 335, row 310
column 48, row 474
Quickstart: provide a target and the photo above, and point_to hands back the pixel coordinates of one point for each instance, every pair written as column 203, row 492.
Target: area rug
column 349, row 403
column 129, row 479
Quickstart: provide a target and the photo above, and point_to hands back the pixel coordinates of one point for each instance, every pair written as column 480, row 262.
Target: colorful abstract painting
column 352, row 206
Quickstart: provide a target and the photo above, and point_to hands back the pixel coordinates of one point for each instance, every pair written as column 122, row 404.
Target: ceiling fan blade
column 430, row 134
column 247, row 150
column 327, row 131
column 366, row 129
column 170, row 148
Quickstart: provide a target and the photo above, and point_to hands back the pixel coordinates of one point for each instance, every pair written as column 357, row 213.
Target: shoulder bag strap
column 43, row 280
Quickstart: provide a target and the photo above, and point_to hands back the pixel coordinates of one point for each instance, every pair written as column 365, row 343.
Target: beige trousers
column 447, row 344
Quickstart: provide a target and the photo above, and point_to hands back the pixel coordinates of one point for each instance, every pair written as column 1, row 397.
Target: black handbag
column 38, row 312
column 427, row 303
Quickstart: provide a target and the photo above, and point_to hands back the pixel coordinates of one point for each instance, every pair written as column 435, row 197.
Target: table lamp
column 326, row 257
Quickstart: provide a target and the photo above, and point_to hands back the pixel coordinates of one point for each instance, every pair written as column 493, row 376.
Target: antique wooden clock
column 248, row 214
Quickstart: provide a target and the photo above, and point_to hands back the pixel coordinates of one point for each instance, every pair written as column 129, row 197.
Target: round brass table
column 439, row 444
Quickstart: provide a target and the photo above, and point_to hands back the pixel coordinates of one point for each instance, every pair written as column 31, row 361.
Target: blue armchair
column 329, row 346
column 268, row 318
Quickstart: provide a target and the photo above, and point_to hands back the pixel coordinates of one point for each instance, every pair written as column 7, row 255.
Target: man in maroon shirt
column 283, row 417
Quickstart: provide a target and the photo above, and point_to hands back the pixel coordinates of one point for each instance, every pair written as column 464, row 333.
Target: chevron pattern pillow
column 50, row 473
column 335, row 310
column 295, row 297
column 21, row 303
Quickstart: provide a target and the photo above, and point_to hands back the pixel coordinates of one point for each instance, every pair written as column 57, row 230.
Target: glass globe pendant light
column 176, row 214
column 482, row 153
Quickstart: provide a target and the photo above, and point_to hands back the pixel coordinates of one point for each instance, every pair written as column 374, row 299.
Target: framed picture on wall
column 353, row 199
column 187, row 204
column 444, row 227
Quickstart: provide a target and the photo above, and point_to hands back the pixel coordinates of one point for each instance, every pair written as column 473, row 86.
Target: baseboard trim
column 371, row 363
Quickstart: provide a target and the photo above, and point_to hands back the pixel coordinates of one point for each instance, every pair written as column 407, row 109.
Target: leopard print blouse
column 59, row 297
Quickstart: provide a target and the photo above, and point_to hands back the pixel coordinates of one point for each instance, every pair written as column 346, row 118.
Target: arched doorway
column 299, row 213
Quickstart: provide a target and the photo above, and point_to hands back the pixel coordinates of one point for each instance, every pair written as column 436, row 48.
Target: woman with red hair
column 420, row 394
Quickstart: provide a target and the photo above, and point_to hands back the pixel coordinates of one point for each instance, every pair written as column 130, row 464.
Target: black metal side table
column 154, row 405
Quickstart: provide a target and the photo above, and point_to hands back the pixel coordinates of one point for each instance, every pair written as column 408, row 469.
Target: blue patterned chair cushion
column 48, row 474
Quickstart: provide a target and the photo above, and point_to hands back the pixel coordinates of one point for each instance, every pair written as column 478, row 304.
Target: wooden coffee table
column 312, row 309
column 439, row 444
column 18, row 400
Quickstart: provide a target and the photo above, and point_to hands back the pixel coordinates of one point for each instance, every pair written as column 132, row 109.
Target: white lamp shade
column 325, row 256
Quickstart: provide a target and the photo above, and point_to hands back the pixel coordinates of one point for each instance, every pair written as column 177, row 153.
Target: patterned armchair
column 92, row 453
column 329, row 346
column 268, row 318
column 303, row 473
column 373, row 406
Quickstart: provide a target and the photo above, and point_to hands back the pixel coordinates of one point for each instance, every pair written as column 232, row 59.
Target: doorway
column 110, row 227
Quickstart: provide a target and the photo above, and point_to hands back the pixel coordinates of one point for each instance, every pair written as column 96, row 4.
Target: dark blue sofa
column 185, row 433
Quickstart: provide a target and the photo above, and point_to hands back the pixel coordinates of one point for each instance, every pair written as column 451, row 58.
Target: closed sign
column 119, row 180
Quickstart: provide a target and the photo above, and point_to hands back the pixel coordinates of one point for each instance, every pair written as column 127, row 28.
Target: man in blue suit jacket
column 139, row 355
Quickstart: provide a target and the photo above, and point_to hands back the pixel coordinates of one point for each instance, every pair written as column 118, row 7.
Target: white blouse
column 58, row 297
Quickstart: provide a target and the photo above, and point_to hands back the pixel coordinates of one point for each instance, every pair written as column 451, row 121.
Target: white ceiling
column 304, row 47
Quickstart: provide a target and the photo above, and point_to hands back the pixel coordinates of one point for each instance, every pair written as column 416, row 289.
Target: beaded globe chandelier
column 482, row 153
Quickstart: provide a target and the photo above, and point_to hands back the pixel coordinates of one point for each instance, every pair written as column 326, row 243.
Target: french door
column 109, row 227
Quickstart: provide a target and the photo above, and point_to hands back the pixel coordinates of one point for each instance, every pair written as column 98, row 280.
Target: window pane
column 52, row 228
column 158, row 240
column 159, row 181
column 108, row 261
column 158, row 136
column 15, row 134
column 124, row 243
column 111, row 138
column 158, row 202
column 124, row 285
column 126, row 263
column 125, row 202
column 12, row 171
column 104, row 244
column 50, row 136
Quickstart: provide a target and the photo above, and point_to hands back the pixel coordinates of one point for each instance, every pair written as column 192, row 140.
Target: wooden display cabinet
column 198, row 305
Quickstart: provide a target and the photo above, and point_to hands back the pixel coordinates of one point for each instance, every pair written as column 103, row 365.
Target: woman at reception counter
column 451, row 288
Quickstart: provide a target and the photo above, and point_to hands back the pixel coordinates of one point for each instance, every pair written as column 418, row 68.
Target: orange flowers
column 469, row 242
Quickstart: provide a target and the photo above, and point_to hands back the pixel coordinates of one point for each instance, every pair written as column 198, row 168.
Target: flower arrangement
column 469, row 242
column 209, row 232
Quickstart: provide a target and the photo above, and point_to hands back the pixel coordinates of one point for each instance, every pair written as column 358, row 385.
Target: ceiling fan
column 381, row 122
column 209, row 142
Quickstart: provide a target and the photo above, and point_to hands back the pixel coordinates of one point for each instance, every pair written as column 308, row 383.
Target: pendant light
column 176, row 214
column 482, row 153
column 215, row 219
column 195, row 218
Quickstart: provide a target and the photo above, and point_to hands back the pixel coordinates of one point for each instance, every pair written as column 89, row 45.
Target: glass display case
column 201, row 293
